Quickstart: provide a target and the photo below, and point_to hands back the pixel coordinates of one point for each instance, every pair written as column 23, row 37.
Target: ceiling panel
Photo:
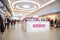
column 26, row 7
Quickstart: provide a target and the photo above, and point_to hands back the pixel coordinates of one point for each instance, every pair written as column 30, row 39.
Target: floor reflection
column 16, row 33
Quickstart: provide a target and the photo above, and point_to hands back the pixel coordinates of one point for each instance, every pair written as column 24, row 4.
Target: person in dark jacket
column 7, row 22
column 56, row 23
column 1, row 24
column 51, row 22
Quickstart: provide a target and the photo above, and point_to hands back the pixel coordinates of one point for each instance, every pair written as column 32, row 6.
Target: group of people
column 54, row 23
column 2, row 25
column 6, row 23
column 13, row 22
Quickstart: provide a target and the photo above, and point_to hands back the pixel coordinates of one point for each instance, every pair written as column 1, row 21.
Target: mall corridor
column 29, row 19
column 16, row 33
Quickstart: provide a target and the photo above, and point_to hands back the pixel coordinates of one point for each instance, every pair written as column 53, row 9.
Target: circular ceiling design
column 25, row 5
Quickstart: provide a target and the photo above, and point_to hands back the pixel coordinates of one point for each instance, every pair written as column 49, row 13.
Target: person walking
column 1, row 25
column 56, row 23
column 51, row 22
column 7, row 22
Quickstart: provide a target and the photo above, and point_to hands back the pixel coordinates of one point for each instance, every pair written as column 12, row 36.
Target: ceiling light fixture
column 26, row 6
column 24, row 1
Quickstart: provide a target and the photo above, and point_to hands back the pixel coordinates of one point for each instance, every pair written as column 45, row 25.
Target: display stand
column 36, row 26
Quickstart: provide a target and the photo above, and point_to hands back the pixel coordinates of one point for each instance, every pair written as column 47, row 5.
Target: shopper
column 1, row 25
column 51, row 22
column 14, row 22
column 56, row 23
column 7, row 22
column 11, row 21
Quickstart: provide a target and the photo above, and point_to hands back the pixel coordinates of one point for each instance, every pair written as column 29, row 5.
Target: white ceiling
column 26, row 7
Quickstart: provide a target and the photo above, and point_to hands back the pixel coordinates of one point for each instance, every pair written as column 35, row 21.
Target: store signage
column 38, row 25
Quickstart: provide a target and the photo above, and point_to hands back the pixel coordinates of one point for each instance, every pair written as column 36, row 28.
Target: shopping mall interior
column 29, row 19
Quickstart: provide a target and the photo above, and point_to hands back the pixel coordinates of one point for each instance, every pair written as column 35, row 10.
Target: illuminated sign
column 38, row 25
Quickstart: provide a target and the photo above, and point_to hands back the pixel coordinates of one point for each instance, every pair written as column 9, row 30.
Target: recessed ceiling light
column 26, row 6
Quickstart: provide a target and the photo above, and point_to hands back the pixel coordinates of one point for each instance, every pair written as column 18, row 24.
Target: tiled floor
column 16, row 33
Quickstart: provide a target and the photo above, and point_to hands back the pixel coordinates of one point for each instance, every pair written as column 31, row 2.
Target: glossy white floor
column 16, row 33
